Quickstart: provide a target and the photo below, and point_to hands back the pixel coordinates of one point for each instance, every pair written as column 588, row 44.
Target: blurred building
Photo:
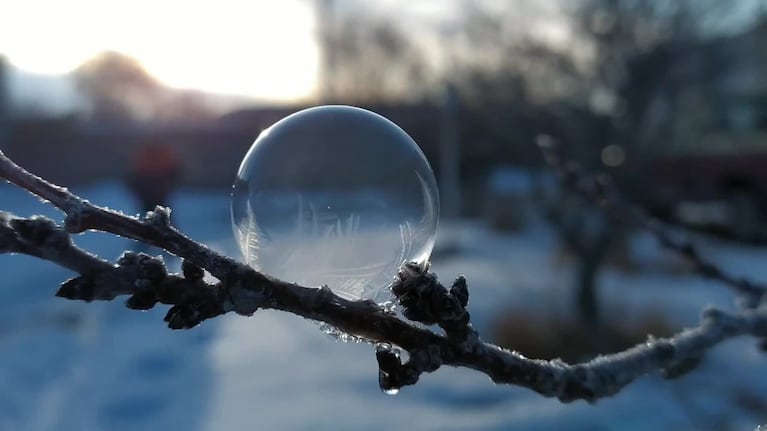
column 722, row 96
column 712, row 131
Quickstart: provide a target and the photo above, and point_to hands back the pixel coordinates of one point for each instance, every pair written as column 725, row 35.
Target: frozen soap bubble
column 336, row 196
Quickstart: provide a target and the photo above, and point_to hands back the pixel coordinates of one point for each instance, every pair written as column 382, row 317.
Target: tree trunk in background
column 590, row 261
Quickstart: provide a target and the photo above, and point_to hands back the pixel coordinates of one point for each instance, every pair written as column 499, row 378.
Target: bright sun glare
column 258, row 48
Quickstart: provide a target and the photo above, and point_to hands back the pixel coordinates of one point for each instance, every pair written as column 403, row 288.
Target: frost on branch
column 436, row 330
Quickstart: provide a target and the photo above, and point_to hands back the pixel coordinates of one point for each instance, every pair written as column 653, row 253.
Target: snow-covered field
column 67, row 365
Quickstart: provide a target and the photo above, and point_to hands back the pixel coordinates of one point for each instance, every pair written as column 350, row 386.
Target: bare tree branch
column 418, row 292
column 600, row 190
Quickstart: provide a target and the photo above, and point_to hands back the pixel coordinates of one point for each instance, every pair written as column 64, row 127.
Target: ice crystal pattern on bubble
column 335, row 196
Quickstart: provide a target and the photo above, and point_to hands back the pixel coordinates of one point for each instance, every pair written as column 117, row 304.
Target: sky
column 263, row 49
column 259, row 49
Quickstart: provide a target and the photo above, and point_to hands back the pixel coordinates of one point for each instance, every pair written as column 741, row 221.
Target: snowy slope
column 71, row 366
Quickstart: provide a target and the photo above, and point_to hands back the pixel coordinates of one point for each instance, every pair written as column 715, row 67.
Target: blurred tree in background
column 370, row 59
column 116, row 87
column 638, row 49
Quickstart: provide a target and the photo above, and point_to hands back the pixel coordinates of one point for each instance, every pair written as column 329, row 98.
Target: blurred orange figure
column 154, row 174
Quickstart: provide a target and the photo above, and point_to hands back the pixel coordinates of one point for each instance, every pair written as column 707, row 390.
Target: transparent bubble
column 336, row 196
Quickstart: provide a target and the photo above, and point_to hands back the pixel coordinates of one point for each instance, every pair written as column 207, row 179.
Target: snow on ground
column 71, row 366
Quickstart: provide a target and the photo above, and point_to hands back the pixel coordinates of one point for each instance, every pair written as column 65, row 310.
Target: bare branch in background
column 600, row 190
column 419, row 294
